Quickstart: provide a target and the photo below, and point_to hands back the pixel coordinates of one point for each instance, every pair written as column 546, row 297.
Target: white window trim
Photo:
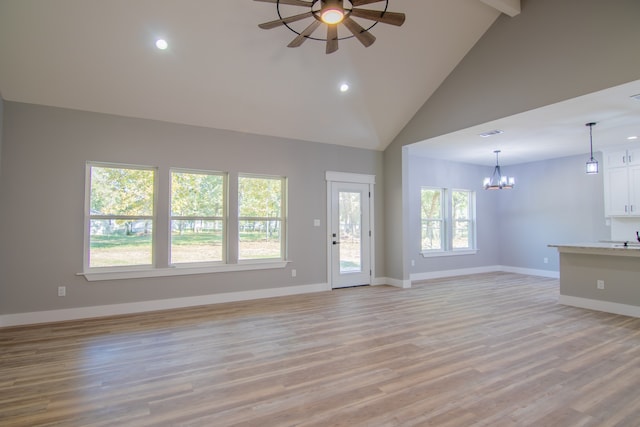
column 284, row 188
column 138, row 273
column 149, row 271
column 472, row 221
column 224, row 218
column 444, row 223
column 87, row 269
column 448, row 225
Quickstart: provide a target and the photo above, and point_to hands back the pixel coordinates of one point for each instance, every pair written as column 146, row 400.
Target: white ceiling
column 222, row 71
column 553, row 131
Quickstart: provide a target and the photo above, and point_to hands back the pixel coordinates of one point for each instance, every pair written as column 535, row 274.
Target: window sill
column 449, row 253
column 181, row 271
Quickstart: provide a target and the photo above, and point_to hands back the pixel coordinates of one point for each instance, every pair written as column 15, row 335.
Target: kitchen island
column 601, row 276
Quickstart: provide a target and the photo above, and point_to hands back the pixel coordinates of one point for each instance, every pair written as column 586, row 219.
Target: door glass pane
column 350, row 231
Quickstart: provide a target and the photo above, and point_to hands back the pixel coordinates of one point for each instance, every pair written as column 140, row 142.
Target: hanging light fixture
column 497, row 181
column 592, row 164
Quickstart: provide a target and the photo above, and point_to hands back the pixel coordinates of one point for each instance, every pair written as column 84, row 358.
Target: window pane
column 431, row 235
column 260, row 197
column 431, row 203
column 350, row 212
column 122, row 197
column 120, row 243
column 121, row 191
column 431, row 215
column 461, row 235
column 197, row 194
column 196, row 241
column 259, row 239
column 461, row 205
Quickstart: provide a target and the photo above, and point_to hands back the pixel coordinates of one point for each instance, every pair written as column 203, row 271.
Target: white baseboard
column 598, row 305
column 531, row 272
column 416, row 277
column 398, row 283
column 154, row 305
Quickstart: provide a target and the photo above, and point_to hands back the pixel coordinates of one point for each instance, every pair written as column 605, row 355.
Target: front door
column 350, row 238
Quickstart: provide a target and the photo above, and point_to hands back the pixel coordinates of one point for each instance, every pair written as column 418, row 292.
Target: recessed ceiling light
column 630, row 138
column 162, row 44
column 636, row 97
column 344, row 87
column 491, row 133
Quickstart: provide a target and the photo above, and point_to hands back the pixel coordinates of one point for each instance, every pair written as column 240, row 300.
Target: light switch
column 316, row 223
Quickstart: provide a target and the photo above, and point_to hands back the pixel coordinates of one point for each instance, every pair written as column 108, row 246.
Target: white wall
column 45, row 150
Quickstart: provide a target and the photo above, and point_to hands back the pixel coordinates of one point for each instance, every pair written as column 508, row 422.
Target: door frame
column 351, row 178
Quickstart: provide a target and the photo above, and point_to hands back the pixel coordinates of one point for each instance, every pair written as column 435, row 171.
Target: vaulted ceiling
column 222, row 71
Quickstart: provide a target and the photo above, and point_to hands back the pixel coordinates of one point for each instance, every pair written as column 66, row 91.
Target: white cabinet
column 622, row 183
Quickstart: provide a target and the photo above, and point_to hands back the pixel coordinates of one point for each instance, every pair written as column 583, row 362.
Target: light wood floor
column 483, row 350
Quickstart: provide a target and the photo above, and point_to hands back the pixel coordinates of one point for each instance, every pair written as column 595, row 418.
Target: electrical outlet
column 600, row 284
column 546, row 260
column 293, row 273
column 62, row 291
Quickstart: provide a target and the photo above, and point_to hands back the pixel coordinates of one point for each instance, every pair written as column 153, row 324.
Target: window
column 432, row 219
column 198, row 220
column 121, row 212
column 462, row 219
column 127, row 236
column 448, row 221
column 261, row 217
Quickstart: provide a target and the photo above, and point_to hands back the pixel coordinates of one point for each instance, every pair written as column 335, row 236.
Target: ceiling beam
column 509, row 7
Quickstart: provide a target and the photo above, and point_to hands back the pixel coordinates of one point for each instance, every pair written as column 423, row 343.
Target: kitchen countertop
column 600, row 248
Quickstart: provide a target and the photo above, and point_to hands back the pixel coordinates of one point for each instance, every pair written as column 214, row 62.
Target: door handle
column 336, row 243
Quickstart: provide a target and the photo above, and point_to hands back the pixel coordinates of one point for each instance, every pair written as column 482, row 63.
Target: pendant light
column 592, row 164
column 497, row 181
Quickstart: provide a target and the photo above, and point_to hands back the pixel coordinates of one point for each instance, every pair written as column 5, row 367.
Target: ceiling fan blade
column 287, row 20
column 291, row 2
column 363, row 2
column 392, row 18
column 303, row 35
column 332, row 38
column 365, row 37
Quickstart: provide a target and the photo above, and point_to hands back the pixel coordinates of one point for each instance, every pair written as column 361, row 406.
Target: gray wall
column 554, row 202
column 42, row 201
column 438, row 173
column 553, row 51
column 1, row 122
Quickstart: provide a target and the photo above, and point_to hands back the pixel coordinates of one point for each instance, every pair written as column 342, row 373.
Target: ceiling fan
column 333, row 13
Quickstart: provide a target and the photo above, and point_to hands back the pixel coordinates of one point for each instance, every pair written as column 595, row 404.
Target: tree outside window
column 121, row 216
column 261, row 216
column 198, row 219
column 432, row 219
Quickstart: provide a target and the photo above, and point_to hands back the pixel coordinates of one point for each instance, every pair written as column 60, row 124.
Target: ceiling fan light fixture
column 332, row 15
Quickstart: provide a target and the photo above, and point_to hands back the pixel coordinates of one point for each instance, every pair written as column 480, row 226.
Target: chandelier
column 497, row 181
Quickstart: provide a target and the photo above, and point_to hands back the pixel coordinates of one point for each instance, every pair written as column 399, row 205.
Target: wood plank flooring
column 483, row 350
